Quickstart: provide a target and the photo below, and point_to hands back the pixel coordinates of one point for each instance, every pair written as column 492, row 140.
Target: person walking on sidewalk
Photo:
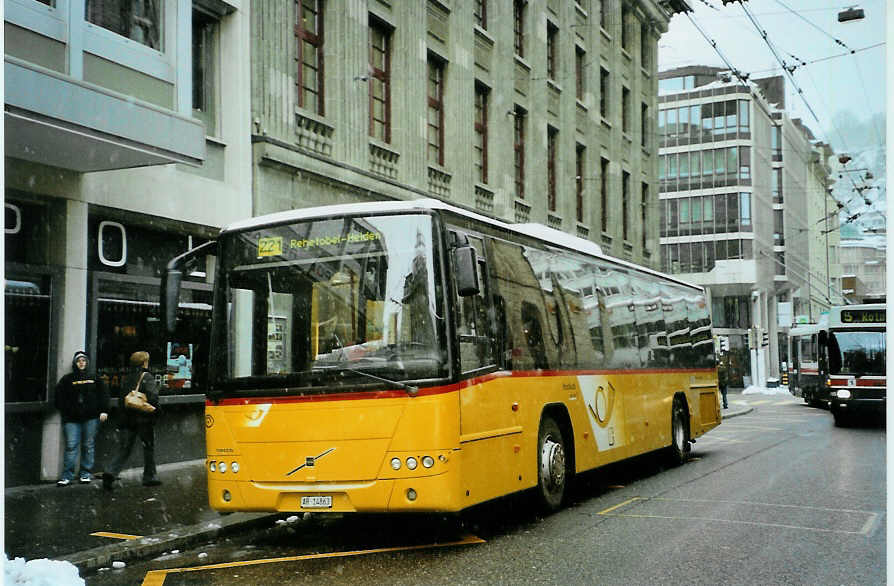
column 82, row 400
column 137, row 424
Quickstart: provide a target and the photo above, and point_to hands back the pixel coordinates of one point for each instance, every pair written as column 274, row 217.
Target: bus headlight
column 222, row 467
column 428, row 461
column 212, row 466
column 843, row 394
column 412, row 463
column 395, row 463
column 234, row 467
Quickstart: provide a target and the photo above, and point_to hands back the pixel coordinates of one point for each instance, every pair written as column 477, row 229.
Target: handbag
column 136, row 400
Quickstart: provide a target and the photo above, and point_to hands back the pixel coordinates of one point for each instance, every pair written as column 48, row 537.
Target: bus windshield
column 857, row 352
column 330, row 302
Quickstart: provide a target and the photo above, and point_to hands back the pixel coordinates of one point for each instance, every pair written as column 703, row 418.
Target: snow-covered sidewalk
column 42, row 572
column 753, row 390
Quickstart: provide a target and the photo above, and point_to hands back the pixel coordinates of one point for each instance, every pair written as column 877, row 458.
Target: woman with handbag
column 139, row 409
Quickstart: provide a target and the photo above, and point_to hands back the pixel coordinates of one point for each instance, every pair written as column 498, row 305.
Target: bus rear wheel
column 552, row 472
column 679, row 448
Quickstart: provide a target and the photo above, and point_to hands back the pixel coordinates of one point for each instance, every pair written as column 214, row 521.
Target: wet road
column 776, row 496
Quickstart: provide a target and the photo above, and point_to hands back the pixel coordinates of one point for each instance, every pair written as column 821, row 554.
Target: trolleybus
column 856, row 347
column 807, row 365
column 413, row 356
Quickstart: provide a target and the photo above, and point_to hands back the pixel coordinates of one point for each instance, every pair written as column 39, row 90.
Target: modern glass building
column 744, row 209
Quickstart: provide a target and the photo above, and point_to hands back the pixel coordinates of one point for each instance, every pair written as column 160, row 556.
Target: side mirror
column 823, row 338
column 169, row 296
column 465, row 262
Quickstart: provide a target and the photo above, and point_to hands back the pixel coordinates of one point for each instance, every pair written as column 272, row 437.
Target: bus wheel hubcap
column 552, row 464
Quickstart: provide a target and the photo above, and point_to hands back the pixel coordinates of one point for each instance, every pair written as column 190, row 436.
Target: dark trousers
column 129, row 435
column 723, row 392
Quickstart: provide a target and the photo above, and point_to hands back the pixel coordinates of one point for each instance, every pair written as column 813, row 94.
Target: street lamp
column 852, row 13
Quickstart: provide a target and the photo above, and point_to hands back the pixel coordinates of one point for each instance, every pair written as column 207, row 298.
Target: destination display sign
column 862, row 316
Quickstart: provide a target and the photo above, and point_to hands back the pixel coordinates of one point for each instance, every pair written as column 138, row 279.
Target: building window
column 204, row 72
column 643, row 208
column 625, row 205
column 580, row 84
column 603, row 92
column 625, row 35
column 743, row 116
column 435, row 111
column 625, row 110
column 603, row 192
column 778, row 228
column 552, row 56
column 480, row 11
column 745, row 162
column 519, row 146
column 481, row 98
column 309, row 35
column 579, row 167
column 379, row 81
column 777, row 186
column 745, row 211
column 518, row 26
column 644, row 125
column 645, row 50
column 552, row 140
column 135, row 20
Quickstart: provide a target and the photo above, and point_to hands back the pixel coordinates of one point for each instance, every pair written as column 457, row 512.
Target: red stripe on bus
column 864, row 382
column 442, row 389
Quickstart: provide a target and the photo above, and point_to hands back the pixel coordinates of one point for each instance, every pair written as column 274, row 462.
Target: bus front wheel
column 552, row 473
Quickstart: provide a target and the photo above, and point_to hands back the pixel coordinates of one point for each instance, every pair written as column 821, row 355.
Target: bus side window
column 533, row 334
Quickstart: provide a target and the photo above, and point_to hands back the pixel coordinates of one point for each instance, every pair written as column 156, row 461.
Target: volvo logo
column 310, row 461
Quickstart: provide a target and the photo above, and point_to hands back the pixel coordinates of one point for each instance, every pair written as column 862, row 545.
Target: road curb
column 738, row 412
column 175, row 538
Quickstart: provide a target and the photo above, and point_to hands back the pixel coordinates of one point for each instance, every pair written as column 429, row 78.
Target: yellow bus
column 414, row 356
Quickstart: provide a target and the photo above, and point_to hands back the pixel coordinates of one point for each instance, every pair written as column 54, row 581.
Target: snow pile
column 42, row 572
column 753, row 390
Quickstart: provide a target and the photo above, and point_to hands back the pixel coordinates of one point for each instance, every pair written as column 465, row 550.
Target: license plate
column 316, row 502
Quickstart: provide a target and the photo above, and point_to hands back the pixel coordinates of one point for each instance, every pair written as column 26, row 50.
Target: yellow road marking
column 157, row 577
column 618, row 506
column 116, row 535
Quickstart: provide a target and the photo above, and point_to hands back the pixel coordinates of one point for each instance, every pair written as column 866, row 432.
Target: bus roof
column 534, row 230
column 805, row 330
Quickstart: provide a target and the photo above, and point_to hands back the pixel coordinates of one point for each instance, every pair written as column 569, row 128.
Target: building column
column 72, row 333
column 773, row 334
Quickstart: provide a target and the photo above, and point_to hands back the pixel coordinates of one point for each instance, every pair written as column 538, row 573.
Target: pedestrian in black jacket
column 82, row 400
column 137, row 424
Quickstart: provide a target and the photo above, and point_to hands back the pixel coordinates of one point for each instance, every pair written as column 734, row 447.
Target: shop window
column 27, row 337
column 127, row 320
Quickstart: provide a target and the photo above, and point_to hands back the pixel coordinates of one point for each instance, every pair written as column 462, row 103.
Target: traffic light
column 765, row 338
column 724, row 344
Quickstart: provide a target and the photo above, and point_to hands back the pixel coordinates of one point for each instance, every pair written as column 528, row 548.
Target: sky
column 844, row 94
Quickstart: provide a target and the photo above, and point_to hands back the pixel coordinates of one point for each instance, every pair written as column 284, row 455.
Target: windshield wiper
column 410, row 389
